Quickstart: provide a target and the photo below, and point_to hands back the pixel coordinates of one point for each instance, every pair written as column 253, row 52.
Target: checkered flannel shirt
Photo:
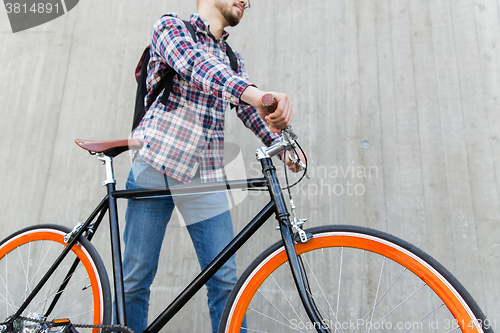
column 188, row 132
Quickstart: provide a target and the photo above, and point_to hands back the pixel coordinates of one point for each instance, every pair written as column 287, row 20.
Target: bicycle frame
column 109, row 204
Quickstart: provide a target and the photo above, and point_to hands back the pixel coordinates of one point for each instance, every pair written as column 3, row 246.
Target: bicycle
column 53, row 280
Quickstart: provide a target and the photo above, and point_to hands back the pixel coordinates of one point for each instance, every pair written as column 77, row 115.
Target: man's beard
column 231, row 18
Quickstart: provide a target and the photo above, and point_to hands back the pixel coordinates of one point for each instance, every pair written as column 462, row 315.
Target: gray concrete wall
column 406, row 89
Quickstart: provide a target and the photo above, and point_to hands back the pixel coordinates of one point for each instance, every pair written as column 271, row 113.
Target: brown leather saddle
column 109, row 148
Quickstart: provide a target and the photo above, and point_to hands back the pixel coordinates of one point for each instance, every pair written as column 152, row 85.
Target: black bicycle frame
column 212, row 268
column 276, row 205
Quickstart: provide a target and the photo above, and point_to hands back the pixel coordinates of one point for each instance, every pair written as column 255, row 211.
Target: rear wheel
column 361, row 280
column 25, row 257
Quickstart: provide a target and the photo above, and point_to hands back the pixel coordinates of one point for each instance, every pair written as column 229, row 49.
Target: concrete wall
column 405, row 89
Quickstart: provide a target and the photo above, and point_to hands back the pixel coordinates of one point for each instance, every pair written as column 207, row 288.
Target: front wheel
column 362, row 280
column 25, row 257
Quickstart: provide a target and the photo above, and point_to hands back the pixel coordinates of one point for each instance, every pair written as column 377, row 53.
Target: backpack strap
column 168, row 81
column 234, row 63
column 232, row 58
column 141, row 73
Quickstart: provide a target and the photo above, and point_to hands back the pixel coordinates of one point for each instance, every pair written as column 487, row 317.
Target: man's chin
column 235, row 17
column 233, row 21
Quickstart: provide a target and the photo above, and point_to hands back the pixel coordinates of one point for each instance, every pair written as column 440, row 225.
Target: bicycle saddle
column 109, row 148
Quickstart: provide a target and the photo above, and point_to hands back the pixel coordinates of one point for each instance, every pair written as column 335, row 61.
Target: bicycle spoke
column 276, row 308
column 288, row 301
column 7, row 293
column 317, row 282
column 27, row 286
column 275, row 320
column 340, row 279
column 50, row 293
column 251, row 330
column 336, row 321
column 10, row 305
column 397, row 307
column 40, row 265
column 324, row 271
column 73, row 315
column 55, row 293
column 414, row 325
column 28, row 264
column 322, row 292
column 378, row 289
column 383, row 296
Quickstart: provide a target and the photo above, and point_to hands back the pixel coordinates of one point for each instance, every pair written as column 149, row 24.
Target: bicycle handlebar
column 270, row 102
column 288, row 141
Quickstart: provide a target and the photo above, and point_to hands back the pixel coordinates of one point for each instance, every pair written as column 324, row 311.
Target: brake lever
column 290, row 137
column 290, row 133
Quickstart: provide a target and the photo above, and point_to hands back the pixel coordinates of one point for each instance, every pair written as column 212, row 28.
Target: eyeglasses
column 247, row 6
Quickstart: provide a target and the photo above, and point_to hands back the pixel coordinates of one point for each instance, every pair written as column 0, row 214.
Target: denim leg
column 146, row 221
column 209, row 238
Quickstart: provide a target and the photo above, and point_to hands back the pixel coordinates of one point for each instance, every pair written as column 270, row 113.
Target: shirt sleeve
column 172, row 42
column 249, row 116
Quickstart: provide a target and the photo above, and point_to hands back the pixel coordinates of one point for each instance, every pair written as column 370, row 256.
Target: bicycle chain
column 104, row 328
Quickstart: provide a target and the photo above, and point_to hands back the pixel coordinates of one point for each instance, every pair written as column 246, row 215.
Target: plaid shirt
column 188, row 132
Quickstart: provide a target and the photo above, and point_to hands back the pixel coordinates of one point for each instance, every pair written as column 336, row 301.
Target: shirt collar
column 201, row 24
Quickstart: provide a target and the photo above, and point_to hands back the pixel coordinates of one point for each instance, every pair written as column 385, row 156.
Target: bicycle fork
column 296, row 265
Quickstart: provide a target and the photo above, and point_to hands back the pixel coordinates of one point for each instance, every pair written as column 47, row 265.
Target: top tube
column 255, row 183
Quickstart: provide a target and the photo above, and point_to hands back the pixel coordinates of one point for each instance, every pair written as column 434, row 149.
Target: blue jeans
column 146, row 221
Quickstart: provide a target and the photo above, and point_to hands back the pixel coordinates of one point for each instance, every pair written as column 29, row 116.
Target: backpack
column 141, row 73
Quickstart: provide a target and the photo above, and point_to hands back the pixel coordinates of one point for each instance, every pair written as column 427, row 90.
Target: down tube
column 212, row 268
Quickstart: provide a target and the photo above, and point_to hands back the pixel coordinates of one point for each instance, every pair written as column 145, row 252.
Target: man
column 183, row 143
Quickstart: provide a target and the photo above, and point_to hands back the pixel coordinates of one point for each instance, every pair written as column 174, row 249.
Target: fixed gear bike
column 333, row 278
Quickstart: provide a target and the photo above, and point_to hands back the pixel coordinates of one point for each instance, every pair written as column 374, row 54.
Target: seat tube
column 298, row 273
column 110, row 184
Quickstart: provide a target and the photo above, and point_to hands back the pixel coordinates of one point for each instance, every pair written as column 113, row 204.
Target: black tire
column 26, row 255
column 390, row 286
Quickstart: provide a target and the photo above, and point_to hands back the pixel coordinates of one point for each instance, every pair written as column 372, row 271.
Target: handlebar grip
column 270, row 102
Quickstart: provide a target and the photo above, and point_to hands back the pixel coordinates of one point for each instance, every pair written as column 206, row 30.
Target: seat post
column 110, row 174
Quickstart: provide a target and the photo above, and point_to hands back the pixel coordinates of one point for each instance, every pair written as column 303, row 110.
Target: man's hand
column 294, row 167
column 277, row 120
